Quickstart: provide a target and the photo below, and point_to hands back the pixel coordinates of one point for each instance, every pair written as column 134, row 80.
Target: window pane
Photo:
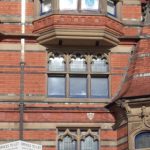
column 78, row 87
column 56, row 86
column 45, row 6
column 56, row 64
column 78, row 64
column 99, row 65
column 89, row 4
column 67, row 144
column 111, row 8
column 68, row 4
column 99, row 87
column 142, row 140
column 89, row 144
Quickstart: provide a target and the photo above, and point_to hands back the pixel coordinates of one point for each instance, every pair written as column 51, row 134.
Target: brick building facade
column 75, row 74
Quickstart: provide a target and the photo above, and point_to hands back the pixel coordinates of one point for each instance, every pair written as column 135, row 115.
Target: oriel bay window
column 89, row 4
column 78, row 76
column 78, row 139
column 79, row 6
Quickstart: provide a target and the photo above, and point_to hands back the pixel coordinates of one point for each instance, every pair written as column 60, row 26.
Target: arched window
column 89, row 143
column 78, row 139
column 67, row 143
column 99, row 64
column 142, row 140
column 56, row 63
column 77, row 63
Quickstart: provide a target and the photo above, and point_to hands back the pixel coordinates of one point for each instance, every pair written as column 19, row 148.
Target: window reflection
column 56, row 64
column 56, row 86
column 111, row 7
column 76, row 76
column 99, row 87
column 142, row 140
column 78, row 86
column 46, row 6
column 89, row 143
column 89, row 4
column 67, row 144
column 78, row 64
column 99, row 65
column 68, row 4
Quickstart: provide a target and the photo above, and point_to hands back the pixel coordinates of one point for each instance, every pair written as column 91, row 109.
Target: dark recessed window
column 142, row 140
column 46, row 6
column 111, row 7
column 78, row 76
column 70, row 139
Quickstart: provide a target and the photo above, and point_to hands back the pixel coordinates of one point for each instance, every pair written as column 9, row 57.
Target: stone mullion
column 78, row 139
column 67, row 76
column 89, row 75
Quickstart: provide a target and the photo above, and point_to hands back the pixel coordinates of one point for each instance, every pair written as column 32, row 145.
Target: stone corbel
column 126, row 106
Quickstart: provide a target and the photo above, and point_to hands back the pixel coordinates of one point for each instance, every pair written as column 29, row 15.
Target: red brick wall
column 118, row 67
column 14, row 10
column 35, row 78
column 128, row 14
column 122, row 134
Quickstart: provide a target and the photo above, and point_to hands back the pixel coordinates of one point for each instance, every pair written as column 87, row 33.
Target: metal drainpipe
column 22, row 64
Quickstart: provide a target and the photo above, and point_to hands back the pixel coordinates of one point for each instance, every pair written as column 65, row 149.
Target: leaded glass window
column 142, row 140
column 99, row 65
column 78, row 139
column 67, row 143
column 89, row 143
column 56, row 64
column 77, row 64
